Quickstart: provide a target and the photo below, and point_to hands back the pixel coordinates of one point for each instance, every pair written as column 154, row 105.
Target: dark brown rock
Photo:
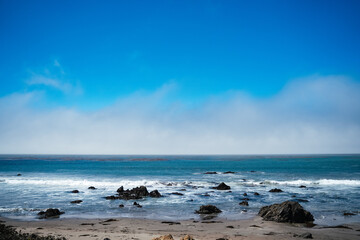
column 256, row 194
column 288, row 211
column 155, row 194
column 244, row 203
column 50, row 213
column 208, row 209
column 75, row 191
column 275, row 190
column 135, row 193
column 92, row 187
column 76, row 201
column 222, row 186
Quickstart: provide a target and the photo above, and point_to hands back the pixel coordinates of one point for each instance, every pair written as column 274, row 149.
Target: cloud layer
column 313, row 115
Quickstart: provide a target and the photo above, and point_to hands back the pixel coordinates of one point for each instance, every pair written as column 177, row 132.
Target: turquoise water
column 333, row 185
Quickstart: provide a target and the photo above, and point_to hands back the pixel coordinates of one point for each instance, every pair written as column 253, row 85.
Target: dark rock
column 210, row 173
column 138, row 205
column 92, row 187
column 135, row 193
column 75, row 191
column 121, row 205
column 19, row 174
column 76, row 201
column 244, row 203
column 256, row 194
column 245, row 194
column 208, row 209
column 275, row 190
column 293, row 195
column 222, row 186
column 229, row 226
column 252, row 171
column 301, row 200
column 50, row 213
column 349, row 214
column 120, row 189
column 171, row 223
column 177, row 193
column 155, row 194
column 229, row 172
column 245, row 199
column 288, row 211
column 222, row 239
column 302, row 186
column 107, row 239
column 304, row 235
column 111, row 197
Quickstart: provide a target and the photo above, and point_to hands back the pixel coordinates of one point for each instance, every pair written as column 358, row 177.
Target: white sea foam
column 321, row 182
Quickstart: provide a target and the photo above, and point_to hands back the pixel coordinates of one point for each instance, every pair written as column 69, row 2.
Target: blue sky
column 93, row 55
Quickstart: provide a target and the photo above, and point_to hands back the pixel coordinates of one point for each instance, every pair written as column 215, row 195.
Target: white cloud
column 313, row 115
column 53, row 77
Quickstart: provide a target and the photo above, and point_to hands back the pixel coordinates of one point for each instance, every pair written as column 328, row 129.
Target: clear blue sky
column 113, row 48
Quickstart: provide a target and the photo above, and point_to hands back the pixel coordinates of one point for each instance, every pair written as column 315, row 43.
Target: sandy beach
column 144, row 229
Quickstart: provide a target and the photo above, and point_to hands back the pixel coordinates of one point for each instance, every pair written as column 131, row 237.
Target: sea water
column 332, row 185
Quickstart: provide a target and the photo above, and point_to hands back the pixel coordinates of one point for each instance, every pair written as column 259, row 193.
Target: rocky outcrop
column 137, row 205
column 229, row 172
column 288, row 211
column 275, row 190
column 50, row 213
column 92, row 187
column 135, row 193
column 155, row 194
column 222, row 186
column 208, row 209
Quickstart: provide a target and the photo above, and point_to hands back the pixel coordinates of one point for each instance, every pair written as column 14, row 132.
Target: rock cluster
column 288, row 211
column 135, row 193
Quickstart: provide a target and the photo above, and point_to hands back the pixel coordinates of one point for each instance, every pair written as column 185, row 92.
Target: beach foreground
column 144, row 229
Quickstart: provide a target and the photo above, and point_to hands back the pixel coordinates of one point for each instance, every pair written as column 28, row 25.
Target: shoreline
column 144, row 229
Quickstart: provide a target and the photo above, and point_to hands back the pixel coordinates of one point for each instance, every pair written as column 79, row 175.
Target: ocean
column 46, row 181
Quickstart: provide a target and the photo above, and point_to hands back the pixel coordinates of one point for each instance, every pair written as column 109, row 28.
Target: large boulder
column 222, row 186
column 50, row 213
column 208, row 209
column 288, row 211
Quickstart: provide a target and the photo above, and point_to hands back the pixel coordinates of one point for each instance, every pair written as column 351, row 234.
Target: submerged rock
column 177, row 193
column 222, row 186
column 75, row 191
column 50, row 213
column 76, row 201
column 288, row 211
column 210, row 173
column 302, row 186
column 275, row 190
column 256, row 194
column 92, row 187
column 229, row 172
column 244, row 203
column 137, row 205
column 208, row 209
